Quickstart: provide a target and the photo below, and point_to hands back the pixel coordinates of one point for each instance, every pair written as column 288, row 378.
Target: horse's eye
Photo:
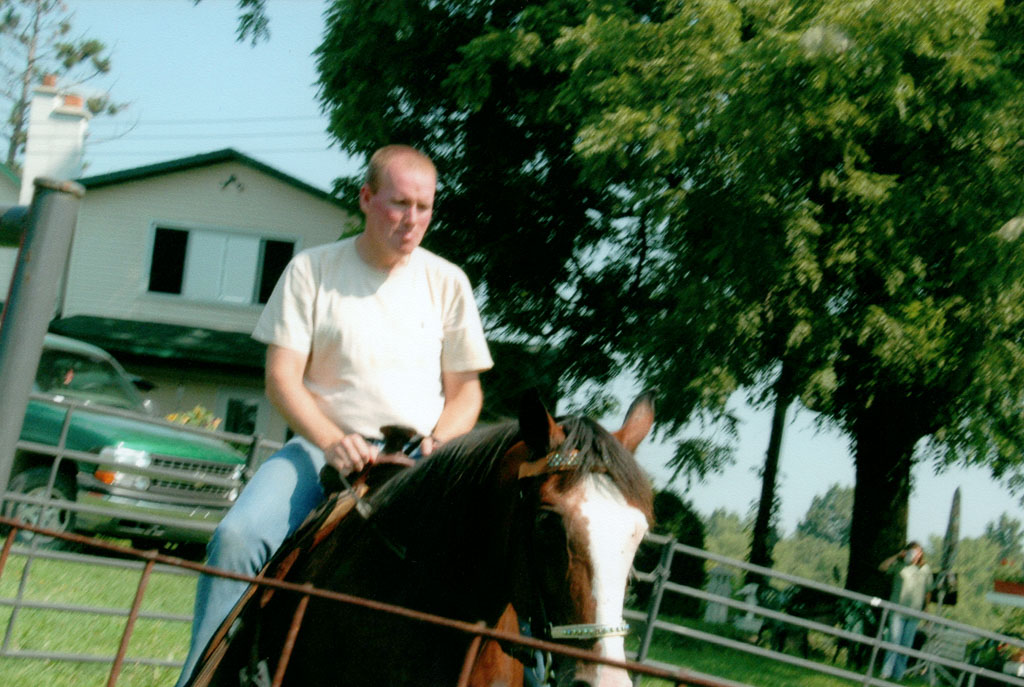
column 550, row 540
column 549, row 526
column 548, row 518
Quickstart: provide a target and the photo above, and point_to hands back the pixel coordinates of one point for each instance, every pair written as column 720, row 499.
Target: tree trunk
column 760, row 553
column 883, row 459
column 759, row 550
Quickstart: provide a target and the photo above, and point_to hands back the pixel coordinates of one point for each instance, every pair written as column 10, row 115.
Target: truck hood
column 91, row 431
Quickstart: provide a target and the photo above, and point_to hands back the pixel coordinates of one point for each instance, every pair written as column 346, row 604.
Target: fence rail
column 927, row 661
column 677, row 676
column 148, row 562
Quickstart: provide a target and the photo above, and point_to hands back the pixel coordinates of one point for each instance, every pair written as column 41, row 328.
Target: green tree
column 36, row 39
column 253, row 22
column 828, row 517
column 808, row 199
column 1007, row 535
column 812, row 557
column 513, row 208
column 975, row 565
column 726, row 534
column 839, row 182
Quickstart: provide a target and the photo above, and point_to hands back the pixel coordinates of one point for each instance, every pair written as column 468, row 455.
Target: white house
column 171, row 264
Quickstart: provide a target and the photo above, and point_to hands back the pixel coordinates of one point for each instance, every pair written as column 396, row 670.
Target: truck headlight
column 124, row 456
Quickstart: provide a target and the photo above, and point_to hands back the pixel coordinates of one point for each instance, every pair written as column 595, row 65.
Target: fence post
column 661, row 576
column 251, row 456
column 874, row 645
column 38, row 275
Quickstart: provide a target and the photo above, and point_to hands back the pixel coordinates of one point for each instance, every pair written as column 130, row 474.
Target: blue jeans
column 273, row 504
column 902, row 630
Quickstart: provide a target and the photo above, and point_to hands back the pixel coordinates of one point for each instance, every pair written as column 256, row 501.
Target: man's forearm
column 462, row 404
column 294, row 401
column 304, row 416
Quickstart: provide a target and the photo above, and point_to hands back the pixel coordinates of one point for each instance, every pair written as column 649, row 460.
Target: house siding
column 179, row 390
column 109, row 269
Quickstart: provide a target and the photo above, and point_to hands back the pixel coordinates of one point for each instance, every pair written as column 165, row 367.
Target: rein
column 554, row 462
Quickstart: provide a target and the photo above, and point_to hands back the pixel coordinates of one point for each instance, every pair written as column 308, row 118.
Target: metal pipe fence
column 647, row 619
column 146, row 563
column 152, row 559
column 256, row 447
column 60, row 457
column 929, row 662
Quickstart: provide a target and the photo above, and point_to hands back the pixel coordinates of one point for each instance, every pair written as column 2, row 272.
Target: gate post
column 47, row 229
column 661, row 575
column 879, row 636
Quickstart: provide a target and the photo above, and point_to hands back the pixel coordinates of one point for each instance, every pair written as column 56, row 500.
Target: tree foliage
column 1007, row 535
column 803, row 198
column 834, row 178
column 513, row 208
column 726, row 534
column 828, row 517
column 37, row 38
column 811, row 557
column 253, row 22
column 815, row 558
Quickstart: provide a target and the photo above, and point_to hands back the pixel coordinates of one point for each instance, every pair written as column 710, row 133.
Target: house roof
column 137, row 339
column 184, row 164
column 518, row 367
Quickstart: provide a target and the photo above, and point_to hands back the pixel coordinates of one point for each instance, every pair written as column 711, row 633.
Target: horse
column 530, row 523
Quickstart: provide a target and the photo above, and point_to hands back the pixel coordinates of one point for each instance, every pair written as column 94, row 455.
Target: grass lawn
column 90, row 634
column 155, row 639
column 724, row 662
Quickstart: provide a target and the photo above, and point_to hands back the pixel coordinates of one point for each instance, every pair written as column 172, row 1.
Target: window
column 245, row 411
column 168, row 266
column 85, row 378
column 216, row 265
column 241, row 415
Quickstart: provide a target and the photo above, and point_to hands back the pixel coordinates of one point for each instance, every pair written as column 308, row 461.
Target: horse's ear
column 639, row 419
column 535, row 424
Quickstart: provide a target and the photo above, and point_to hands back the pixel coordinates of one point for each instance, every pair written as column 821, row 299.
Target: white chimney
column 55, row 137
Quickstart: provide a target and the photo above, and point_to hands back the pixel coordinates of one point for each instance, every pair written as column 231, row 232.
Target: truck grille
column 191, row 481
column 222, row 470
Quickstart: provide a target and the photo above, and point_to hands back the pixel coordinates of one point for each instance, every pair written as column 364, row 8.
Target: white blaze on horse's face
column 614, row 530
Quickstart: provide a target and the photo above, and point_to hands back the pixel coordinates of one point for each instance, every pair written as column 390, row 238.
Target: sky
column 191, row 88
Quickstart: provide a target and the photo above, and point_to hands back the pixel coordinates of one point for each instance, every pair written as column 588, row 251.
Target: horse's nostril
column 580, row 683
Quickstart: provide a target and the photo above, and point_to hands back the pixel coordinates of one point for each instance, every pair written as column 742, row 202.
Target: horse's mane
column 459, row 474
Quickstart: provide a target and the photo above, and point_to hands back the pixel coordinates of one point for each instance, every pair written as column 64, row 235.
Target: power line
column 179, row 137
column 129, row 137
column 180, row 152
column 226, row 120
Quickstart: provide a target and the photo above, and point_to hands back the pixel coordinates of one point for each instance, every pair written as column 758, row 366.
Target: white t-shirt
column 377, row 341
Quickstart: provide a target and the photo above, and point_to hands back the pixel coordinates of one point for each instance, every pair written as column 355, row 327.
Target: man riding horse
column 370, row 331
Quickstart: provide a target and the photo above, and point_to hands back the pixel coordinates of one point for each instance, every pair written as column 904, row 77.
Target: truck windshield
column 79, row 377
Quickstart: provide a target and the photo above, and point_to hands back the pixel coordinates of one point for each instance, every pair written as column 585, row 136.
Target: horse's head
column 584, row 508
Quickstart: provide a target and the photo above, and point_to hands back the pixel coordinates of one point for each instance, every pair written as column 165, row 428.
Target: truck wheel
column 32, row 482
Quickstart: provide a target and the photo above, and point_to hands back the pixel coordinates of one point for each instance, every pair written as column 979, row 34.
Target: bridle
column 554, row 462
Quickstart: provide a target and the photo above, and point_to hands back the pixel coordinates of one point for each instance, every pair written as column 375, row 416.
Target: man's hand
column 429, row 444
column 350, row 454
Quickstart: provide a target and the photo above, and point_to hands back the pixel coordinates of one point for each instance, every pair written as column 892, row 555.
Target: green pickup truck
column 141, row 478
